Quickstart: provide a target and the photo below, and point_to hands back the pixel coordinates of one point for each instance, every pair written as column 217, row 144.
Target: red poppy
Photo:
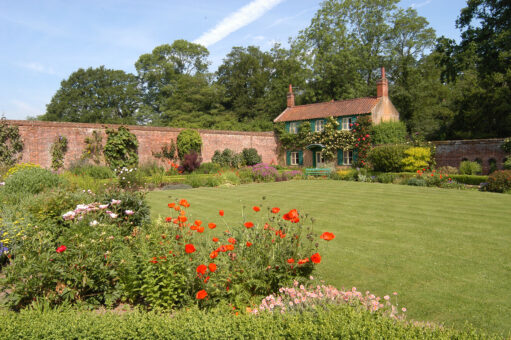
column 221, row 249
column 249, row 225
column 249, row 244
column 316, row 258
column 327, row 236
column 292, row 216
column 275, row 210
column 201, row 269
column 200, row 229
column 206, row 279
column 198, row 223
column 256, row 208
column 184, row 203
column 215, row 239
column 221, row 213
column 168, row 219
column 182, row 219
column 178, row 237
column 212, row 267
column 61, row 249
column 231, row 240
column 291, row 261
column 303, row 261
column 201, row 294
column 189, row 248
column 213, row 254
column 194, row 227
column 229, row 247
column 211, row 225
column 153, row 261
column 171, row 205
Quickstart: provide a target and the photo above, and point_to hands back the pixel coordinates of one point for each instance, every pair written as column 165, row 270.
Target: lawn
column 446, row 252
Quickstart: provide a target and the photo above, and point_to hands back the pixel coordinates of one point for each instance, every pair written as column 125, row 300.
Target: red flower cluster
column 292, row 216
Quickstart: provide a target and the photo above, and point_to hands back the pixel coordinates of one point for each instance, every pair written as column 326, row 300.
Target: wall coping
column 133, row 127
column 469, row 141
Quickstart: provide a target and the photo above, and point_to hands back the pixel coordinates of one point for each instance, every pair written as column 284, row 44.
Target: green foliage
column 20, row 166
column 470, row 168
column 94, row 171
column 168, row 152
column 499, row 181
column 130, row 178
column 469, row 179
column 361, row 133
column 250, row 156
column 121, row 149
column 188, row 141
column 11, row 144
column 447, row 170
column 93, row 147
column 506, row 145
column 389, row 133
column 227, row 158
column 507, row 164
column 31, row 180
column 58, row 150
column 416, row 158
column 208, row 168
column 387, row 158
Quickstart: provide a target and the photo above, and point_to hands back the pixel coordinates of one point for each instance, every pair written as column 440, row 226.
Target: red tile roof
column 348, row 107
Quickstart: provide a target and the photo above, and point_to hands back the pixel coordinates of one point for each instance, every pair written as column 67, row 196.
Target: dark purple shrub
column 190, row 162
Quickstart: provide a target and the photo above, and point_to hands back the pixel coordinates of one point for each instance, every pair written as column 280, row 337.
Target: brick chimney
column 382, row 85
column 290, row 97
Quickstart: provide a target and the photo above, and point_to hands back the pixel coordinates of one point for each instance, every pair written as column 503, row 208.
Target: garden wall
column 38, row 137
column 484, row 151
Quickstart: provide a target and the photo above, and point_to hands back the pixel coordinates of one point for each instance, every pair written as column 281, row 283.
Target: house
column 344, row 111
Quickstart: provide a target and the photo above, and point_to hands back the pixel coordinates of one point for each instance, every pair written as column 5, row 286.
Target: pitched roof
column 348, row 107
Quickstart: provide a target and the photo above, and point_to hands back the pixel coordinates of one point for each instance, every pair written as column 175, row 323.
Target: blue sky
column 44, row 41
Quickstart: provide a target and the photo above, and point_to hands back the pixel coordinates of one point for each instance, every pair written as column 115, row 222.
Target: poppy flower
column 201, row 294
column 189, row 248
column 182, row 219
column 153, row 261
column 221, row 249
column 327, row 236
column 61, row 249
column 316, row 258
column 249, row 225
column 229, row 247
column 256, row 208
column 211, row 225
column 184, row 203
column 171, row 205
column 168, row 219
column 194, row 227
column 201, row 269
column 221, row 213
column 231, row 240
column 275, row 210
column 291, row 261
column 200, row 229
column 212, row 267
column 303, row 261
column 213, row 254
column 248, row 244
column 198, row 223
column 215, row 239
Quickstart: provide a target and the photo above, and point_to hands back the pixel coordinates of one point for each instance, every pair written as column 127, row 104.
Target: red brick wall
column 454, row 151
column 38, row 137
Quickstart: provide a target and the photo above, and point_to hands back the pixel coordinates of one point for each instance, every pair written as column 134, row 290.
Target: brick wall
column 38, row 137
column 453, row 152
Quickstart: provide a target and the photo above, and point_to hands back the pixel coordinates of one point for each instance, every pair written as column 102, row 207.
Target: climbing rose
column 201, row 294
column 327, row 236
column 61, row 249
column 189, row 248
column 316, row 258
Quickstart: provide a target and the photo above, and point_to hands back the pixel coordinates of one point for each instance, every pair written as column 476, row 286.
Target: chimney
column 382, row 85
column 290, row 97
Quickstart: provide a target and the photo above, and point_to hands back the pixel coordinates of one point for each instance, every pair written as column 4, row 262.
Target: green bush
column 470, row 168
column 149, row 169
column 121, row 149
column 387, row 158
column 447, row 170
column 469, row 179
column 507, row 164
column 506, row 146
column 418, row 182
column 231, row 178
column 32, row 181
column 416, row 158
column 195, row 180
column 208, row 168
column 499, row 181
column 386, row 178
column 250, row 156
column 228, row 158
column 82, row 168
column 188, row 141
column 389, row 133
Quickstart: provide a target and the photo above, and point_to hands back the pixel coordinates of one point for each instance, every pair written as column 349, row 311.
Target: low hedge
column 469, row 179
column 337, row 322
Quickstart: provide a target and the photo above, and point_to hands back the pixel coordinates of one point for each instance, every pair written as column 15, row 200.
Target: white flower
column 115, row 202
column 69, row 215
column 2, row 183
column 112, row 215
column 94, row 223
column 103, row 206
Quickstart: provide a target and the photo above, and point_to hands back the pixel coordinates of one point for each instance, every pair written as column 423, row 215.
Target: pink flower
column 129, row 212
column 403, row 309
column 395, row 293
column 115, row 202
column 386, row 297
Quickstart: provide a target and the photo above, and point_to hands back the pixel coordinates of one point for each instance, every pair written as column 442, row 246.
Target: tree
column 95, row 95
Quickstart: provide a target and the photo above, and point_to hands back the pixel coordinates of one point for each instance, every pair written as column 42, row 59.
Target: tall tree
column 95, row 95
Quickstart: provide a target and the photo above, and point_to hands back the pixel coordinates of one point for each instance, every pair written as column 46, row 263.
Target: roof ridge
column 335, row 101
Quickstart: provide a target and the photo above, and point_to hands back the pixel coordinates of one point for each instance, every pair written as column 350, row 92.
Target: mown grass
column 446, row 252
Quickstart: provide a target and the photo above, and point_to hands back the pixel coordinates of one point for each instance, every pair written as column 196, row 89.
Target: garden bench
column 318, row 172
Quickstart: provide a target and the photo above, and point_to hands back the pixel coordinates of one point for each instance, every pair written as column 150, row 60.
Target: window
column 295, row 158
column 293, row 127
column 320, row 125
column 320, row 158
column 346, row 123
column 347, row 157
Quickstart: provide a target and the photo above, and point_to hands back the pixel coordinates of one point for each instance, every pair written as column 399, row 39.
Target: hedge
column 469, row 179
column 337, row 322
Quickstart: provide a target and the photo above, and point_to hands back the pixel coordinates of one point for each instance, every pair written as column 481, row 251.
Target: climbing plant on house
column 58, row 151
column 121, row 149
column 361, row 134
column 11, row 144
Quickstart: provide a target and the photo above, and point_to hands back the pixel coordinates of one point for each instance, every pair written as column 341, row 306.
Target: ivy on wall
column 58, row 150
column 93, row 147
column 121, row 149
column 11, row 144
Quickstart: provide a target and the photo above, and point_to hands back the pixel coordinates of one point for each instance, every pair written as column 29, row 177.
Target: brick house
column 345, row 112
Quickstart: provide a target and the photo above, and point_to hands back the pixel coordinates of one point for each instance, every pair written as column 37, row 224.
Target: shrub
column 506, row 146
column 250, row 156
column 418, row 182
column 11, row 144
column 387, row 158
column 31, row 180
column 416, row 158
column 188, row 141
column 231, row 177
column 447, row 170
column 195, row 181
column 507, row 164
column 499, row 181
column 470, row 168
column 208, row 168
column 228, row 158
column 121, row 149
column 389, row 133
column 190, row 162
column 20, row 166
column 82, row 168
column 470, row 179
column 264, row 172
column 386, row 178
column 151, row 168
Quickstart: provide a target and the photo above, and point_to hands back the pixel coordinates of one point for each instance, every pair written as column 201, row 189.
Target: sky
column 42, row 42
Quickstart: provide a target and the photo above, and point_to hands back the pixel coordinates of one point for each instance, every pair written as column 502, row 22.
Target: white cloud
column 420, row 4
column 233, row 22
column 37, row 67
